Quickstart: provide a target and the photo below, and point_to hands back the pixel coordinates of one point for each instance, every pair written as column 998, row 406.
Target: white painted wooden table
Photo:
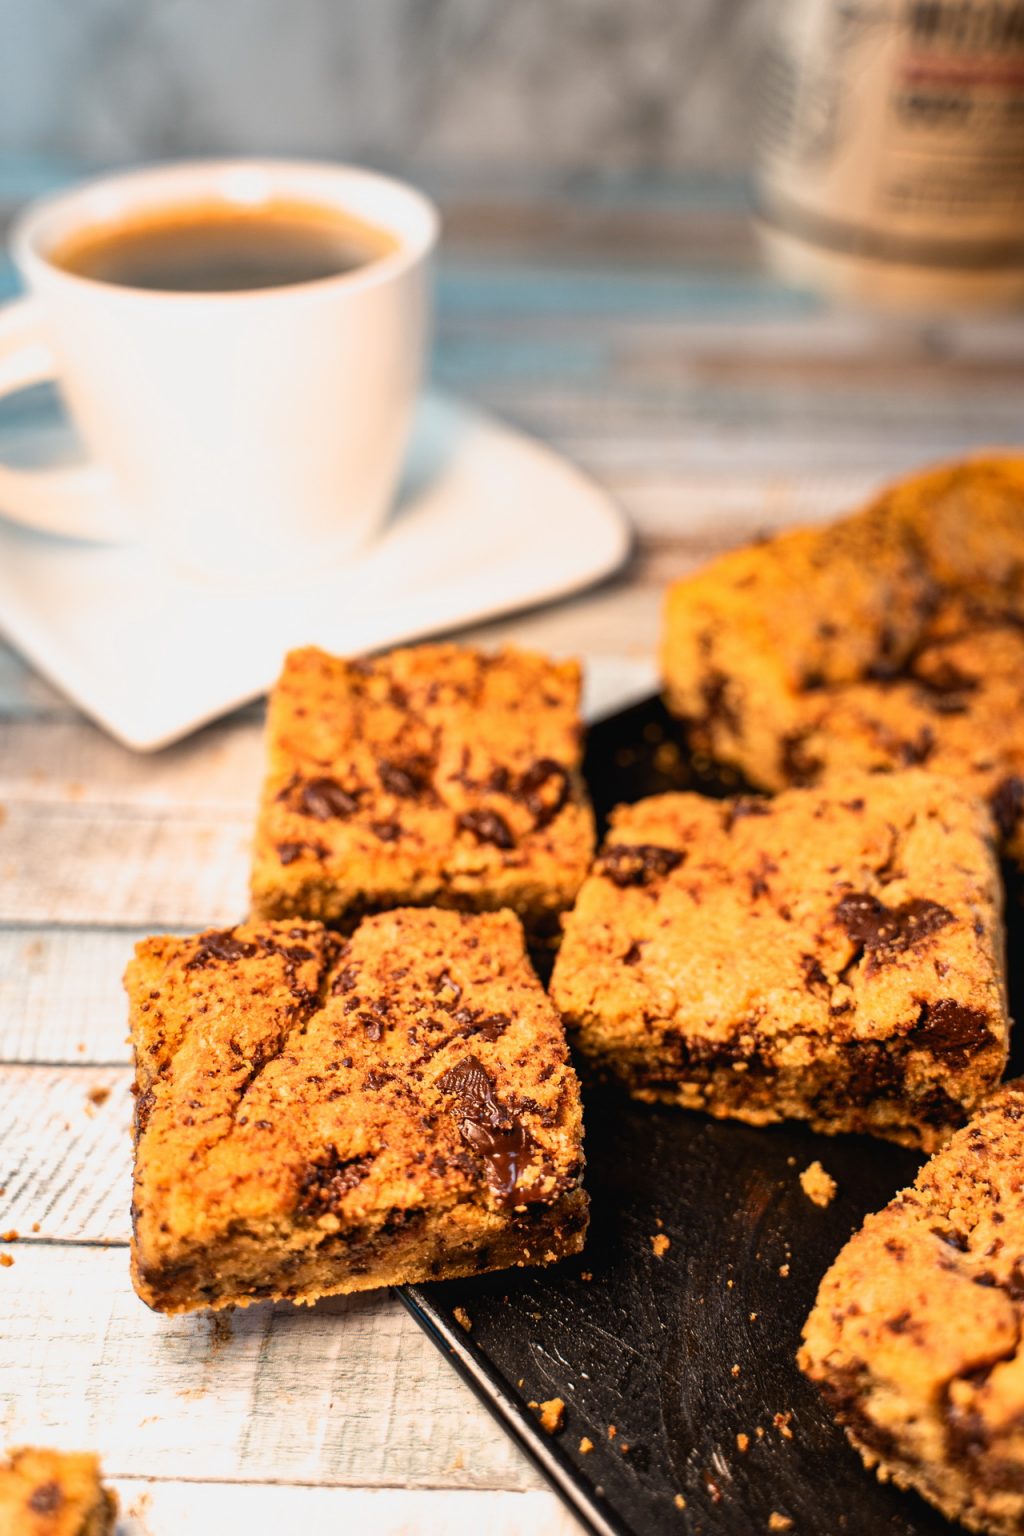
column 633, row 332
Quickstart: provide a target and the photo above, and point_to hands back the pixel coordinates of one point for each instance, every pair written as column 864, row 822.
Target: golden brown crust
column 317, row 1116
column 54, row 1493
column 834, row 955
column 915, row 1338
column 434, row 775
column 888, row 639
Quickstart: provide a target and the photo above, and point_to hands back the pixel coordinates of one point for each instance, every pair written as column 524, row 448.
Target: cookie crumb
column 817, row 1185
column 781, row 1422
column 729, row 1284
column 35, row 1226
column 463, row 1318
column 6, row 1260
column 586, row 1275
column 742, row 1442
column 679, row 1501
column 98, row 1095
column 551, row 1414
column 784, row 1270
column 735, row 1370
column 660, row 1244
column 586, row 1445
column 10, row 1236
column 753, row 1317
column 777, row 1522
column 612, row 1431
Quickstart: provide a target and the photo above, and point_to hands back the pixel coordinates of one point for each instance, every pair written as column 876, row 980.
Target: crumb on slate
column 781, row 1422
column 784, row 1270
column 551, row 1414
column 463, row 1318
column 660, row 1244
column 735, row 1370
column 612, row 1431
column 586, row 1445
column 680, row 1502
column 817, row 1185
column 586, row 1275
column 742, row 1442
column 777, row 1522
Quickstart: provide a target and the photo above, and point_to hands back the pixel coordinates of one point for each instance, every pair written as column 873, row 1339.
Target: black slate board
column 682, row 1353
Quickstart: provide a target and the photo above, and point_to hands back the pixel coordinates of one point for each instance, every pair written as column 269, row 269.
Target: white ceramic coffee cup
column 245, row 433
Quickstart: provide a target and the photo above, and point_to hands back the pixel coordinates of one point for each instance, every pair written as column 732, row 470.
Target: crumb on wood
column 551, row 1414
column 660, row 1244
column 782, row 1422
column 742, row 1442
column 817, row 1185
column 6, row 1260
column 457, row 1463
column 98, row 1095
column 10, row 1236
column 35, row 1226
column 586, row 1445
column 777, row 1522
column 784, row 1271
column 80, row 1047
column 679, row 1501
column 463, row 1318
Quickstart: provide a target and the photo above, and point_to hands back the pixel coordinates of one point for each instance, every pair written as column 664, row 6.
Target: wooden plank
column 148, row 868
column 65, row 1153
column 349, row 1391
column 61, row 999
column 265, row 1509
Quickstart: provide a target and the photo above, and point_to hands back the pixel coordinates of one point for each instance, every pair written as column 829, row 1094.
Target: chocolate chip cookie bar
column 891, row 638
column 435, row 776
column 915, row 1338
column 315, row 1115
column 833, row 955
column 54, row 1493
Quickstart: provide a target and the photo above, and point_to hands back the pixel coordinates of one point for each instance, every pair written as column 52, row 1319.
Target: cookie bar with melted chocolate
column 915, row 1337
column 54, row 1493
column 316, row 1116
column 435, row 775
column 890, row 639
column 833, row 955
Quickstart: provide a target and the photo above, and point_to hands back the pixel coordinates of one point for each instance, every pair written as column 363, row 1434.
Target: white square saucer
column 488, row 521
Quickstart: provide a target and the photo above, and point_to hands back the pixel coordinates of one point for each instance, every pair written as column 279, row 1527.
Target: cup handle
column 74, row 502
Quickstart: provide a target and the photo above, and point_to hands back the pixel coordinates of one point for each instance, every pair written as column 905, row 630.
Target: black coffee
column 222, row 247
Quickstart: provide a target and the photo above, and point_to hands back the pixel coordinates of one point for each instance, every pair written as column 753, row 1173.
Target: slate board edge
column 480, row 1374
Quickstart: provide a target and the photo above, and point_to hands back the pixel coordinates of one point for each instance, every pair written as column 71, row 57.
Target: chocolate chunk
column 324, row 1183
column 882, row 930
column 409, row 779
column 1007, row 803
column 46, row 1499
column 386, row 831
column 627, row 864
column 718, row 706
column 486, row 1126
column 948, row 1029
column 324, row 800
column 493, row 1026
column 289, row 852
column 373, row 1026
column 219, row 946
column 344, row 981
column 544, row 789
column 633, row 954
column 814, row 976
column 797, row 763
column 487, row 827
column 945, row 677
